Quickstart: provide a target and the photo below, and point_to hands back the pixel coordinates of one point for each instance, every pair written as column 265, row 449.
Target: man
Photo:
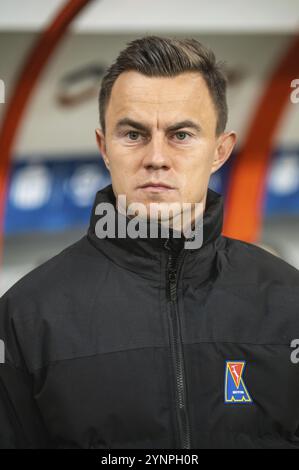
column 144, row 342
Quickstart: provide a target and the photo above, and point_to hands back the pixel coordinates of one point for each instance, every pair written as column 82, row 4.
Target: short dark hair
column 156, row 56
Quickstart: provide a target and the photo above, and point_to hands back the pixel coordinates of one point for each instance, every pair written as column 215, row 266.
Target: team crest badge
column 235, row 389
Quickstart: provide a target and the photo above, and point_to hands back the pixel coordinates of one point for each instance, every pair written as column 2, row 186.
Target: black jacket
column 141, row 343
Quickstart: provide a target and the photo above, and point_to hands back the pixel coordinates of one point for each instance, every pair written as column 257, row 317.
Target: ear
column 225, row 144
column 100, row 137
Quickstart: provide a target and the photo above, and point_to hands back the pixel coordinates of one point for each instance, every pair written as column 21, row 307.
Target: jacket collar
column 142, row 254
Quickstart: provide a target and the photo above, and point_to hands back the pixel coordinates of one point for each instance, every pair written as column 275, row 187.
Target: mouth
column 156, row 187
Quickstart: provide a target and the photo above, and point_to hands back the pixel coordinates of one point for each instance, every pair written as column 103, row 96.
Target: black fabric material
column 89, row 345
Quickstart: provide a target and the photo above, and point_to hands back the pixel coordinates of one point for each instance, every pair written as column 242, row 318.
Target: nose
column 156, row 156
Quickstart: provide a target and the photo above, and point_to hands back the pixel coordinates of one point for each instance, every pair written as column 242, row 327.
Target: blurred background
column 52, row 57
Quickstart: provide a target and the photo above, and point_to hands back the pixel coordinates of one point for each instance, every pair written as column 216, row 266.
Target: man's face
column 162, row 131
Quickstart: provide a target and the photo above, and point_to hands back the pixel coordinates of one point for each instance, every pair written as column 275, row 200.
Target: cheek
column 194, row 174
column 193, row 168
column 123, row 172
column 118, row 159
column 199, row 161
column 123, row 158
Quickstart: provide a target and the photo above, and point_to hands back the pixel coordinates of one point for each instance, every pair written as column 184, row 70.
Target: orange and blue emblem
column 235, row 388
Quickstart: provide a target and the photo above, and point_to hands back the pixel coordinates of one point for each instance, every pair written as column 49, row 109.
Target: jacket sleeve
column 21, row 425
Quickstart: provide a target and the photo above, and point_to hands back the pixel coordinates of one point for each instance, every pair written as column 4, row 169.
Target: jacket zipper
column 174, row 262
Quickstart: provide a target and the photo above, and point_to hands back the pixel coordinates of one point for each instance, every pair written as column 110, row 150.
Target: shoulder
column 260, row 291
column 35, row 313
column 256, row 264
column 57, row 280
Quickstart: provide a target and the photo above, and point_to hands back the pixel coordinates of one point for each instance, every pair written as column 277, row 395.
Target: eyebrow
column 142, row 127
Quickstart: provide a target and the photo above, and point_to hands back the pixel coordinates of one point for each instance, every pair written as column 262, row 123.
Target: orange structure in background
column 28, row 78
column 247, row 184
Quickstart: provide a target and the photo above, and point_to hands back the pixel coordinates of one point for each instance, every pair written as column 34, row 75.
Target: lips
column 156, row 185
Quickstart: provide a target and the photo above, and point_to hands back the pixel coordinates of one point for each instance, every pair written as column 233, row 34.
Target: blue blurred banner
column 282, row 188
column 54, row 195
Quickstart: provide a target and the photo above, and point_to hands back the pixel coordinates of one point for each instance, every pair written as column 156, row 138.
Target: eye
column 133, row 135
column 182, row 135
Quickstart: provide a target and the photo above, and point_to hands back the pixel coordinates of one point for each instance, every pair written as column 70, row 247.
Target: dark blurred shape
column 79, row 85
column 236, row 75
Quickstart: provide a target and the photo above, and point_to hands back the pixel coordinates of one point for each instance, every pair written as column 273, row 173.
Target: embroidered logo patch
column 235, row 389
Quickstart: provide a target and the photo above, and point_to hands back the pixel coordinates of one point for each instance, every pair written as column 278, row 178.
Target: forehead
column 144, row 96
